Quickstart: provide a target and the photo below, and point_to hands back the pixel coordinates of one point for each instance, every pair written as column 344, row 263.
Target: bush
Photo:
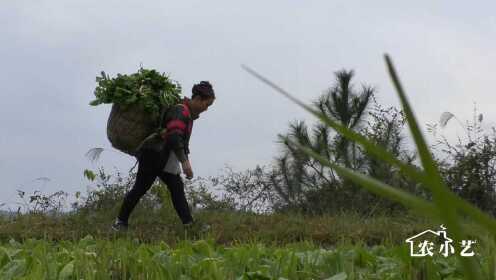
column 469, row 167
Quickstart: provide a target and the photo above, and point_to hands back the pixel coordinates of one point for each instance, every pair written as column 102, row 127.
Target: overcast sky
column 52, row 51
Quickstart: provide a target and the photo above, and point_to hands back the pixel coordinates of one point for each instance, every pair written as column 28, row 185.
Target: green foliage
column 88, row 174
column 248, row 191
column 146, row 87
column 469, row 167
column 42, row 203
column 91, row 258
column 200, row 196
column 347, row 106
column 305, row 184
column 445, row 207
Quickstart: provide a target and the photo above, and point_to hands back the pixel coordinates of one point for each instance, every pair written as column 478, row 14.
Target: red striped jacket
column 178, row 123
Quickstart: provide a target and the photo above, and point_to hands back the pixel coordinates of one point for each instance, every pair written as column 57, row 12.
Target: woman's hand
column 186, row 165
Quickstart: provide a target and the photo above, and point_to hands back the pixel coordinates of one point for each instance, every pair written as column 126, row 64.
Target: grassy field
column 227, row 227
column 202, row 259
column 239, row 246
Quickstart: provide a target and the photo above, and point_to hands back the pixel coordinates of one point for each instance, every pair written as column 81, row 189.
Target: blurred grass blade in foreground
column 483, row 219
column 445, row 204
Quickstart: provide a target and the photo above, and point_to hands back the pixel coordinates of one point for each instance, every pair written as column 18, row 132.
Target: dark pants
column 151, row 165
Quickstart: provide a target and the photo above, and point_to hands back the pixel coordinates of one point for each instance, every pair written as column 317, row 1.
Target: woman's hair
column 204, row 90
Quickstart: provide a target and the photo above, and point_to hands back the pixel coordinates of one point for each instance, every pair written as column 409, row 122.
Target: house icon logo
column 426, row 244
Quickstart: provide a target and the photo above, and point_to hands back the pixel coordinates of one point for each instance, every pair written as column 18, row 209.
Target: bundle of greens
column 138, row 101
column 148, row 88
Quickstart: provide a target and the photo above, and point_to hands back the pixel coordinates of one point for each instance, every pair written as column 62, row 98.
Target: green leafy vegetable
column 147, row 87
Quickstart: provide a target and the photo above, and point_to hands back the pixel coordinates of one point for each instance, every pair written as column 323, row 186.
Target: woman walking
column 165, row 158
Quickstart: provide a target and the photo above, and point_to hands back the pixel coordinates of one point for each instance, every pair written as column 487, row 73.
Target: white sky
column 52, row 51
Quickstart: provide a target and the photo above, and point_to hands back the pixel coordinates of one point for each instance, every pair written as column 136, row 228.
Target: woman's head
column 202, row 97
column 203, row 90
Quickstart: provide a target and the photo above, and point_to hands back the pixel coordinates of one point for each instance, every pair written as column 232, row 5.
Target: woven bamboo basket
column 128, row 126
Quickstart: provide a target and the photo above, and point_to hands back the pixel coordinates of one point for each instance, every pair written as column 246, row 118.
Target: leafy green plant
column 92, row 258
column 43, row 203
column 146, row 87
column 469, row 165
column 445, row 205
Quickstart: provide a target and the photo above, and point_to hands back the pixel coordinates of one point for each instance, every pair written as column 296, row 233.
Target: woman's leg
column 148, row 168
column 176, row 187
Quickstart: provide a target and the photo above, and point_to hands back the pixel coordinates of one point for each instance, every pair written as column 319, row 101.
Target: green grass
column 239, row 246
column 227, row 228
column 92, row 258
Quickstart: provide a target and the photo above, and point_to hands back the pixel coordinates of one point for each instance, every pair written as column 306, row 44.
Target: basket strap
column 162, row 115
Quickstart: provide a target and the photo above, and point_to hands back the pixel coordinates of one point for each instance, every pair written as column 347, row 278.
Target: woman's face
column 204, row 104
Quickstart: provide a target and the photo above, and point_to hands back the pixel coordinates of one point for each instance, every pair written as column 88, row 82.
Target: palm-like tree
column 298, row 175
column 342, row 103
